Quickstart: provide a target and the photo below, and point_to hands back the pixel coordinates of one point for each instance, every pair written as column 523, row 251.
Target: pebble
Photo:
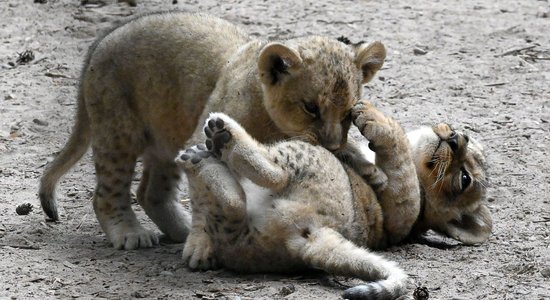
column 40, row 122
column 419, row 51
column 9, row 97
column 166, row 273
column 287, row 290
column 23, row 209
column 545, row 272
column 542, row 14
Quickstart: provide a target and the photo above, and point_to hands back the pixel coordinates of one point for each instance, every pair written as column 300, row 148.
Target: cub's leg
column 229, row 141
column 158, row 196
column 400, row 199
column 112, row 201
column 351, row 155
column 218, row 203
column 326, row 249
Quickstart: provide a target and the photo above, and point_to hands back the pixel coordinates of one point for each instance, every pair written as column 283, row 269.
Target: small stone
column 545, row 272
column 40, row 122
column 421, row 293
column 23, row 209
column 139, row 295
column 9, row 97
column 542, row 14
column 419, row 51
column 166, row 273
column 287, row 290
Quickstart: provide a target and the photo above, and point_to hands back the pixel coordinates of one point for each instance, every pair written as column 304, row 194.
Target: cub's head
column 452, row 174
column 310, row 84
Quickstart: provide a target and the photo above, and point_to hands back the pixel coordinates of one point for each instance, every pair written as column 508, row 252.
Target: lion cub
column 293, row 205
column 147, row 84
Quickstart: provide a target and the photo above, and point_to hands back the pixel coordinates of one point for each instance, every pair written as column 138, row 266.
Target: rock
column 419, row 51
column 542, row 14
column 545, row 272
column 421, row 293
column 40, row 122
column 287, row 290
column 23, row 209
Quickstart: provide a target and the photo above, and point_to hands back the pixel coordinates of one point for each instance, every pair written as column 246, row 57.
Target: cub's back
column 160, row 69
column 171, row 39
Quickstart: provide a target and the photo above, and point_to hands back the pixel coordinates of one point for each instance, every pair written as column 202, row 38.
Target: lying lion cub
column 147, row 84
column 292, row 205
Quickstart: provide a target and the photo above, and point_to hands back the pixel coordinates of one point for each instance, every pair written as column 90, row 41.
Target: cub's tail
column 326, row 249
column 76, row 146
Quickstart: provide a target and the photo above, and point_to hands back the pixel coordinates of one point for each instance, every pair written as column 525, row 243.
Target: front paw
column 198, row 253
column 372, row 124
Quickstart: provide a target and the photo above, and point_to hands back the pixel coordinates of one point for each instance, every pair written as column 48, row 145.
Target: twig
column 527, row 63
column 40, row 59
column 29, row 247
column 496, row 84
column 81, row 222
column 57, row 75
column 544, row 220
column 513, row 51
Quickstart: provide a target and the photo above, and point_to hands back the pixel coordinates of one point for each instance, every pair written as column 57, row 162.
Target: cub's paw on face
column 373, row 124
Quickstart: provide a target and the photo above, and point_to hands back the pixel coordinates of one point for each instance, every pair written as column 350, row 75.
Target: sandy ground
column 463, row 73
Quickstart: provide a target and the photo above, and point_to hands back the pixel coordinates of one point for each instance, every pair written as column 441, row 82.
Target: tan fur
column 291, row 205
column 147, row 84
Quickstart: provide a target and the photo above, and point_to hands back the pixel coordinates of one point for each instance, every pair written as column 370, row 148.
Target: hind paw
column 194, row 157
column 198, row 252
column 222, row 133
column 217, row 136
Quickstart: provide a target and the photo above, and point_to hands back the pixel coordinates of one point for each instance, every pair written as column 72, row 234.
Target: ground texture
column 481, row 65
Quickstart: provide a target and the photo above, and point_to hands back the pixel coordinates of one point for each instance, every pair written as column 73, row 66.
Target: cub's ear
column 370, row 58
column 277, row 61
column 473, row 228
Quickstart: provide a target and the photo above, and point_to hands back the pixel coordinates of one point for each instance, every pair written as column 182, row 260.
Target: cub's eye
column 465, row 179
column 312, row 109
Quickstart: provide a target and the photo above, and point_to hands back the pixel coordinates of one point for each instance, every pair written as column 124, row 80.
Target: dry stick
column 57, row 75
column 496, row 84
column 81, row 222
column 29, row 247
column 509, row 52
column 525, row 62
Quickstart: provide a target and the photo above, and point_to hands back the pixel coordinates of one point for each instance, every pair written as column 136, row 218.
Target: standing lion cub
column 147, row 84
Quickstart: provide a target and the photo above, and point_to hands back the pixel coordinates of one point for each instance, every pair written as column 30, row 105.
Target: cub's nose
column 452, row 140
column 331, row 146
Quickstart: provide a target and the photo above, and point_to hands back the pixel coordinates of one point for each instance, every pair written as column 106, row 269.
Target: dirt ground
column 447, row 61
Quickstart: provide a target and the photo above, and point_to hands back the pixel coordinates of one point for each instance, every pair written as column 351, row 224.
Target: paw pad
column 195, row 154
column 216, row 135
